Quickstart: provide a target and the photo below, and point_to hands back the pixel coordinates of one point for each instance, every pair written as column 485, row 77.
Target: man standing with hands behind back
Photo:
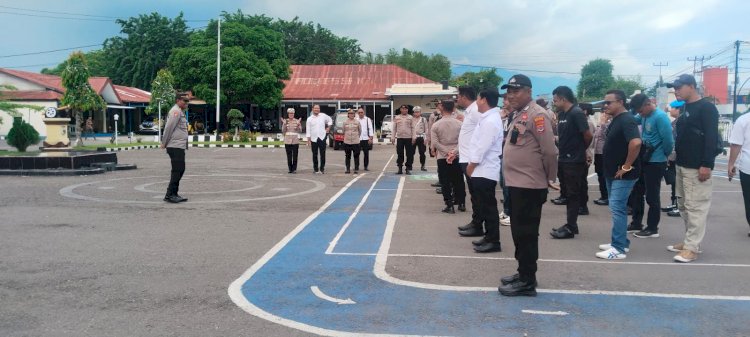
column 175, row 140
column 403, row 137
column 529, row 164
column 316, row 131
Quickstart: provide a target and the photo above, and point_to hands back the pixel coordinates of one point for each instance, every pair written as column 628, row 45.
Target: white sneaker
column 611, row 254
column 678, row 248
column 606, row 246
column 504, row 219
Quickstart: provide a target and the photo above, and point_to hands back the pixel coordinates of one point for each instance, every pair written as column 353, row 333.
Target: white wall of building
column 18, row 83
column 35, row 118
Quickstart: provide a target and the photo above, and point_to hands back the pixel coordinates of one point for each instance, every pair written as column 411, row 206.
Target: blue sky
column 547, row 40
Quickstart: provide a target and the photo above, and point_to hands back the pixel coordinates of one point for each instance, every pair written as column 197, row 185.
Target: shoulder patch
column 176, row 114
column 539, row 123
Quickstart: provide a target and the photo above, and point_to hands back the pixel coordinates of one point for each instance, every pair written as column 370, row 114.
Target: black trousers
column 420, row 147
column 599, row 169
column 525, row 215
column 364, row 145
column 319, row 147
column 651, row 175
column 745, row 182
column 476, row 217
column 670, row 178
column 177, row 157
column 585, row 187
column 348, row 150
column 572, row 173
column 451, row 182
column 561, row 179
column 404, row 147
column 291, row 156
column 484, row 189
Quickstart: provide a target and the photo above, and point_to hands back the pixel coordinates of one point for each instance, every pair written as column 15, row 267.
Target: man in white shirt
column 739, row 146
column 466, row 99
column 365, row 138
column 316, row 130
column 484, row 167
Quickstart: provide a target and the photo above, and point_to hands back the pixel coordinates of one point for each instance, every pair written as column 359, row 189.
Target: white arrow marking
column 321, row 295
column 540, row 312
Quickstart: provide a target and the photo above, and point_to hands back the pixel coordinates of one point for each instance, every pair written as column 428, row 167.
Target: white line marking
column 323, row 296
column 381, row 259
column 235, row 289
column 541, row 312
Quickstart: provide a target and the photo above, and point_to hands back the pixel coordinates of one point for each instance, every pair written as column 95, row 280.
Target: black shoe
column 583, row 211
column 423, row 169
column 408, row 172
column 674, row 212
column 563, row 232
column 435, row 185
column 560, row 201
column 290, row 171
column 488, row 247
column 400, row 171
column 468, row 226
column 439, row 190
column 474, row 231
column 646, row 233
column 479, row 242
column 347, row 172
column 356, row 171
column 632, row 228
column 322, row 171
column 366, row 169
column 669, row 208
column 173, row 199
column 602, row 202
column 449, row 210
column 519, row 288
column 462, row 207
column 180, row 198
column 510, row 279
column 572, row 230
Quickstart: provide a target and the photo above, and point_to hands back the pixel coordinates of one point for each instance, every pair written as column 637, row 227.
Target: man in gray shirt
column 175, row 140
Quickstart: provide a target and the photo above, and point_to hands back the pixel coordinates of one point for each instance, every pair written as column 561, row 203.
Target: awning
column 122, row 107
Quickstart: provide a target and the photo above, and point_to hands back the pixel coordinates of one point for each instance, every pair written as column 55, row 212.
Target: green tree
column 148, row 40
column 629, row 86
column 236, row 118
column 98, row 61
column 253, row 62
column 10, row 107
column 596, row 79
column 22, row 135
column 309, row 43
column 162, row 91
column 487, row 78
column 435, row 67
column 79, row 96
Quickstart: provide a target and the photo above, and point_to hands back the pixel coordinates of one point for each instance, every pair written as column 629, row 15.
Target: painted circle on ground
column 70, row 191
column 142, row 187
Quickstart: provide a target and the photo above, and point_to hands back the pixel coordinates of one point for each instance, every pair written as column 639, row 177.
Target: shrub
column 22, row 135
column 226, row 137
column 245, row 136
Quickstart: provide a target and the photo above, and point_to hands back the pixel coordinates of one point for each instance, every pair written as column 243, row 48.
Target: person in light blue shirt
column 656, row 133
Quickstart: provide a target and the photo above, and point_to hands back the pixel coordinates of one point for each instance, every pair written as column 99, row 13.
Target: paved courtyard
column 259, row 252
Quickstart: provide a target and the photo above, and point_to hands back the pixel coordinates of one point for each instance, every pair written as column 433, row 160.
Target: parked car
column 336, row 132
column 149, row 126
column 386, row 127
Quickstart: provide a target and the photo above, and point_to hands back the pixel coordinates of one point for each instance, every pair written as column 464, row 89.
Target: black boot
column 449, row 209
column 408, row 172
column 462, row 207
column 423, row 169
column 400, row 171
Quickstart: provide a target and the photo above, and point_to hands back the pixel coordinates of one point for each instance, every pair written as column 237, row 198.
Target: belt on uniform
column 292, row 134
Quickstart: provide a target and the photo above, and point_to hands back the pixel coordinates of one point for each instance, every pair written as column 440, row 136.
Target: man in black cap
column 696, row 146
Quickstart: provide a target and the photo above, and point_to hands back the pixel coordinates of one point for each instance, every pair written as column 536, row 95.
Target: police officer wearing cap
column 291, row 128
column 529, row 164
column 420, row 135
column 403, row 137
column 444, row 139
column 352, row 133
column 175, row 140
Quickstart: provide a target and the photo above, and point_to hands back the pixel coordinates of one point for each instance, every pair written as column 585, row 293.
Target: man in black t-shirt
column 621, row 170
column 696, row 144
column 574, row 137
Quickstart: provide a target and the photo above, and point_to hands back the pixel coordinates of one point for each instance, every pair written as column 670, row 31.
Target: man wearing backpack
column 696, row 146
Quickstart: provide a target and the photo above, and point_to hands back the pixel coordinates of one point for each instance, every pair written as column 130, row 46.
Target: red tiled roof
column 132, row 95
column 23, row 95
column 346, row 82
column 53, row 82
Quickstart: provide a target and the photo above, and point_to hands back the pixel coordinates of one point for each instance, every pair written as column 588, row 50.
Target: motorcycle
column 255, row 126
column 267, row 125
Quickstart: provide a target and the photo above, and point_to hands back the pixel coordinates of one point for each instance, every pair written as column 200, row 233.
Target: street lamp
column 117, row 117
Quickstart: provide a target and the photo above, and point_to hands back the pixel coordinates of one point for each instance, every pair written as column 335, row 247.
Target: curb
column 235, row 146
column 58, row 172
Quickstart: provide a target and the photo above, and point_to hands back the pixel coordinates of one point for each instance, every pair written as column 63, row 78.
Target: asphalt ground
column 104, row 256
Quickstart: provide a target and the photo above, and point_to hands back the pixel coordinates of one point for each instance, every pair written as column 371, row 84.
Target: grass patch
column 6, row 153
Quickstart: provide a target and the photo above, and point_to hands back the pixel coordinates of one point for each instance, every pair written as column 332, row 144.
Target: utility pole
column 218, row 78
column 660, row 65
column 695, row 63
column 736, row 78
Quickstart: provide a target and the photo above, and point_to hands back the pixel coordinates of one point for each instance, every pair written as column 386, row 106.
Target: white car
column 386, row 127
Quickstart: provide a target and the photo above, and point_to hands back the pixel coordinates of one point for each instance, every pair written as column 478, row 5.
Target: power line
column 64, row 13
column 50, row 51
column 31, row 66
column 87, row 17
column 57, row 17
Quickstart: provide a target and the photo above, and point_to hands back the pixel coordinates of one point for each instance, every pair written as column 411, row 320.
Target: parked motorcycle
column 268, row 125
column 255, row 126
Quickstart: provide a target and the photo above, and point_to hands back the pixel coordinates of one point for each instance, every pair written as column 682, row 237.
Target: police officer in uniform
column 444, row 139
column 352, row 133
column 420, row 135
column 291, row 129
column 403, row 137
column 529, row 165
column 175, row 140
